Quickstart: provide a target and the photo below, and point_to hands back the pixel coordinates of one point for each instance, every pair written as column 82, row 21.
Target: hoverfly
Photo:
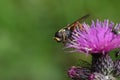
column 116, row 30
column 65, row 33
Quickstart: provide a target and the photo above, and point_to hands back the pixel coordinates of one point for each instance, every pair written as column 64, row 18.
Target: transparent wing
column 80, row 19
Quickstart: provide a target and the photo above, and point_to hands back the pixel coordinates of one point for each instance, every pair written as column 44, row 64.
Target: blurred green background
column 27, row 27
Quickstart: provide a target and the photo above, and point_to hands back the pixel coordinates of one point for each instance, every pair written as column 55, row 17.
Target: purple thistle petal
column 96, row 38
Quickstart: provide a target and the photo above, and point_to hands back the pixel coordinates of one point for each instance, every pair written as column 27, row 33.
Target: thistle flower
column 79, row 73
column 95, row 38
column 98, row 40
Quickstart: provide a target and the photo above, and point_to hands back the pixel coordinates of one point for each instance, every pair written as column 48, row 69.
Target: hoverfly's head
column 62, row 35
column 59, row 35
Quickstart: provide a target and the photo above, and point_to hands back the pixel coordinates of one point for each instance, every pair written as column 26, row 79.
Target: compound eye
column 58, row 34
column 58, row 37
column 114, row 31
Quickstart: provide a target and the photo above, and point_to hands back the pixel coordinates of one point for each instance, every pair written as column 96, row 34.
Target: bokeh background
column 27, row 27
